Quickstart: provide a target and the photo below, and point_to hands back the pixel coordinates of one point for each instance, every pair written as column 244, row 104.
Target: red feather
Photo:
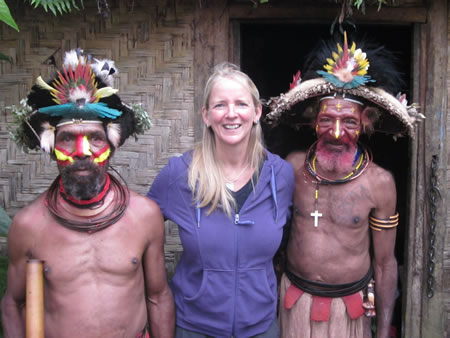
column 296, row 79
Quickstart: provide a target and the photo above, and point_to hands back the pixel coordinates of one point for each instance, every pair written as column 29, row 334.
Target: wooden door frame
column 215, row 41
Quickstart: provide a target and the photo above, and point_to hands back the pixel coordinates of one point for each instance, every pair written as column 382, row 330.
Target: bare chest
column 347, row 204
column 72, row 257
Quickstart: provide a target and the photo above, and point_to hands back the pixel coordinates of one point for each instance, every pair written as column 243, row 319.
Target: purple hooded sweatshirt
column 225, row 283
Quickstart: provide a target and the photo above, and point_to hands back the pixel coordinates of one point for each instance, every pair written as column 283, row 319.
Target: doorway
column 271, row 53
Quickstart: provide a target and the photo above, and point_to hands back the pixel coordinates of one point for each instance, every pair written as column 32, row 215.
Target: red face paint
column 82, row 149
column 337, row 127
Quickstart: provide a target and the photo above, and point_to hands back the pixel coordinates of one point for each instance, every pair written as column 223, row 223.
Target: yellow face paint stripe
column 337, row 131
column 102, row 157
column 62, row 157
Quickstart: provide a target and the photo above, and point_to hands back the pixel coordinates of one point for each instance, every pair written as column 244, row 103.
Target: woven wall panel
column 151, row 43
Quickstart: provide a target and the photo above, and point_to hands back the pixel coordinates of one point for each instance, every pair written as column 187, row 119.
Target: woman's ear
column 205, row 117
column 258, row 111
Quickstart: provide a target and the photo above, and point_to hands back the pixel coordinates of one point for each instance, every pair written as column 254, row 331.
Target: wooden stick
column 35, row 299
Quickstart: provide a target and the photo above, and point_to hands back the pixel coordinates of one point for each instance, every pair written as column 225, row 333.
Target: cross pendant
column 316, row 214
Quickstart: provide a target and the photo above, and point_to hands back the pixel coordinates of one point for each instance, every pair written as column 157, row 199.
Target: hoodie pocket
column 212, row 306
column 257, row 297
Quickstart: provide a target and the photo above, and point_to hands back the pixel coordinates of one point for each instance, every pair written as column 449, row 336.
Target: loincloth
column 302, row 314
column 144, row 333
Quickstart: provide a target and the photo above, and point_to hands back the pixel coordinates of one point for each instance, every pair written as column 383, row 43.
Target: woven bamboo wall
column 151, row 44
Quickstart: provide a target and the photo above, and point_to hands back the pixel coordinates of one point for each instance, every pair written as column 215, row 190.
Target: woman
column 230, row 198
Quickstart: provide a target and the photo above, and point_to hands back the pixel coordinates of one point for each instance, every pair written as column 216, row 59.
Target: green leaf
column 4, row 57
column 57, row 6
column 358, row 3
column 5, row 15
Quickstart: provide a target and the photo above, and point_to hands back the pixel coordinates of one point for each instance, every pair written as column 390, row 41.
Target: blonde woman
column 230, row 198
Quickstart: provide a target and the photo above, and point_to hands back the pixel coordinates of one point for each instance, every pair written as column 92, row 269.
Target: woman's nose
column 231, row 110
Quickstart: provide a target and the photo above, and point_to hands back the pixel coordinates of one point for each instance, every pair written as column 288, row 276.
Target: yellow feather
column 352, row 50
column 339, row 48
column 335, row 56
column 330, row 62
column 105, row 92
column 42, row 84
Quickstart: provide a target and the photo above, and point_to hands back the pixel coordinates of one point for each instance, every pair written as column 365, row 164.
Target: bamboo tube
column 35, row 299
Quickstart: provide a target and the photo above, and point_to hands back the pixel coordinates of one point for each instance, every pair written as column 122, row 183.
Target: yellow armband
column 379, row 224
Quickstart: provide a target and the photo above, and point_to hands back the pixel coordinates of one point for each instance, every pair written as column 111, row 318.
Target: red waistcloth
column 320, row 308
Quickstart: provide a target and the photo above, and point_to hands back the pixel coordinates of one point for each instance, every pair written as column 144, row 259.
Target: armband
column 379, row 224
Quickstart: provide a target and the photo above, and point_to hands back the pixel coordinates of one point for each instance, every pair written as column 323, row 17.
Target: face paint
column 337, row 130
column 102, row 155
column 339, row 121
column 82, row 149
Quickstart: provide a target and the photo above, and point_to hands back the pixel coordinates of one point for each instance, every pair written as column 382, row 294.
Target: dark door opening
column 272, row 53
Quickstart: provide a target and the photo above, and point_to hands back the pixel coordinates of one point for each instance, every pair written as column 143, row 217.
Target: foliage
column 143, row 121
column 3, row 272
column 5, row 15
column 21, row 114
column 55, row 6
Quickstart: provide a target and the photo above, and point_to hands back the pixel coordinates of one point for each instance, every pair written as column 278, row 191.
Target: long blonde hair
column 206, row 179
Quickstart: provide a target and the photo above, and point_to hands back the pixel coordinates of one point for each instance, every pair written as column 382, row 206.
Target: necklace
column 121, row 199
column 362, row 158
column 230, row 183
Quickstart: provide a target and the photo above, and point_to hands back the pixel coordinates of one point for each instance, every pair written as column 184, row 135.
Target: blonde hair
column 206, row 179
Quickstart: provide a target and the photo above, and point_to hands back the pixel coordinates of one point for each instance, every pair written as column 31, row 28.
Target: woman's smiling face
column 231, row 112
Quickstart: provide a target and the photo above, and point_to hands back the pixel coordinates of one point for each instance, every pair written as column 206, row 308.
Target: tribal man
column 339, row 194
column 102, row 245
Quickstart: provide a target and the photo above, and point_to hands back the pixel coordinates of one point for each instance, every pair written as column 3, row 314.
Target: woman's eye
column 219, row 105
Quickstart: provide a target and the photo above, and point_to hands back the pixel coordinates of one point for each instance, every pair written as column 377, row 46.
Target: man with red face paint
column 102, row 244
column 343, row 203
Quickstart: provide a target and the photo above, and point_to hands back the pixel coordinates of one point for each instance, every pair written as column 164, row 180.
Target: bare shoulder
column 26, row 228
column 147, row 212
column 380, row 177
column 145, row 205
column 382, row 187
column 29, row 217
column 296, row 158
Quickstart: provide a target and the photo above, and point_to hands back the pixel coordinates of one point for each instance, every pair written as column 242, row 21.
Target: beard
column 339, row 161
column 83, row 187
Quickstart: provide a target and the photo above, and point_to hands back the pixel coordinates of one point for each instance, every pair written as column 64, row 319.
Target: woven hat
column 366, row 74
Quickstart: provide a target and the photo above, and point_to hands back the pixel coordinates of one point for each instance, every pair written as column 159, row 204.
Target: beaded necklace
column 362, row 158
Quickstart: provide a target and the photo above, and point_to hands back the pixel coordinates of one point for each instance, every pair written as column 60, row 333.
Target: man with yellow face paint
column 102, row 244
column 332, row 285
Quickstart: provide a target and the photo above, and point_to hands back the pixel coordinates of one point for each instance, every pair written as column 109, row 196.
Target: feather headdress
column 77, row 94
column 364, row 72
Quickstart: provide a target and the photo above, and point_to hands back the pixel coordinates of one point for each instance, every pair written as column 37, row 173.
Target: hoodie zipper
column 236, row 222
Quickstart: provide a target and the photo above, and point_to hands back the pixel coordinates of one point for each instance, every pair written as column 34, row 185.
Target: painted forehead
column 339, row 105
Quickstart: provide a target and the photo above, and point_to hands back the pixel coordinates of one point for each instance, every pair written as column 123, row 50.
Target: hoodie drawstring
column 273, row 185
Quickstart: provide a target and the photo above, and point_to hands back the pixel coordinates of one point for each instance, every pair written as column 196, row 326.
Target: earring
column 255, row 122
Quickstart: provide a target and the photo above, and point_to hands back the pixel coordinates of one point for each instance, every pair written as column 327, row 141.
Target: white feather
column 113, row 133
column 105, row 70
column 47, row 137
column 73, row 57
